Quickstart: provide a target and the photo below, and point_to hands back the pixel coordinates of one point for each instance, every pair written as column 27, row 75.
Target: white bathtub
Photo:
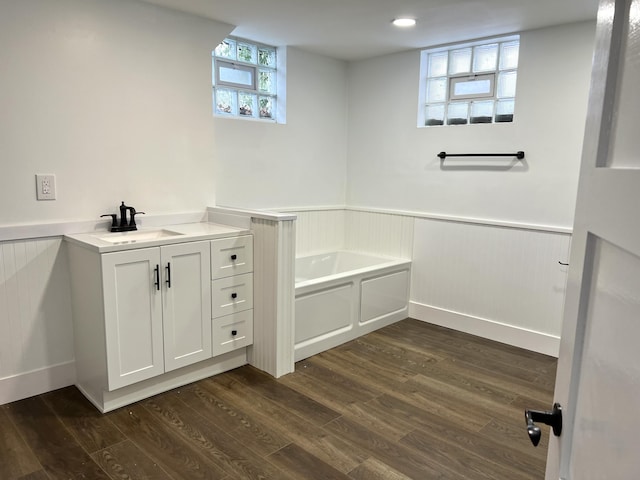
column 343, row 295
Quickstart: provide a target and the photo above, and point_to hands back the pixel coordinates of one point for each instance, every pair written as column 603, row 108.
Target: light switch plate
column 45, row 187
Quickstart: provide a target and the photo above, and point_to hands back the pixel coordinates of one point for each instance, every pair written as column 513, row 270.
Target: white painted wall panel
column 503, row 275
column 35, row 307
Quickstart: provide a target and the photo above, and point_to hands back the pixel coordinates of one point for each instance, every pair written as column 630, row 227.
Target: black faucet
column 124, row 225
column 123, row 216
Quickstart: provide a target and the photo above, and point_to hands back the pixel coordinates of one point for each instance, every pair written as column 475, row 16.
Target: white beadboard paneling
column 320, row 231
column 504, row 275
column 286, row 297
column 263, row 242
column 379, row 233
column 273, row 260
column 35, row 309
column 326, row 230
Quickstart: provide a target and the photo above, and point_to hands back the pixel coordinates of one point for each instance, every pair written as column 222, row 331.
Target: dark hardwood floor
column 410, row 401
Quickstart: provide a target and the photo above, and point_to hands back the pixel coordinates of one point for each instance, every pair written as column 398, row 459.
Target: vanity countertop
column 104, row 241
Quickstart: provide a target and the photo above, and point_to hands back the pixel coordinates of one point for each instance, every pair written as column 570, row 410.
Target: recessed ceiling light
column 404, row 22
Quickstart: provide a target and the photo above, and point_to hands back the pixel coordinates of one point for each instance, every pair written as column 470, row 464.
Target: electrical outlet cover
column 45, row 187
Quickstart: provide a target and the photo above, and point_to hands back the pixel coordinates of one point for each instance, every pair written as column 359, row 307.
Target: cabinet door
column 133, row 316
column 186, row 303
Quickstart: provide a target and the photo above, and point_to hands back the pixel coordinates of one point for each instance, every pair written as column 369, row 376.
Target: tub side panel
column 324, row 312
column 385, row 296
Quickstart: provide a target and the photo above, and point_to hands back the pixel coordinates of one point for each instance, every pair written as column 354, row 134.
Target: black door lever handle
column 552, row 418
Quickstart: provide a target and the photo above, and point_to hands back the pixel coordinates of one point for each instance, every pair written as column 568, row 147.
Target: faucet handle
column 133, row 213
column 114, row 218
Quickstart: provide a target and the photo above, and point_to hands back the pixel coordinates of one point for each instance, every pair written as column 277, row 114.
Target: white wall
column 114, row 97
column 301, row 163
column 393, row 165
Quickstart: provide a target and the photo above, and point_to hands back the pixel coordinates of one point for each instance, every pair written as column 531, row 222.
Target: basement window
column 469, row 83
column 245, row 80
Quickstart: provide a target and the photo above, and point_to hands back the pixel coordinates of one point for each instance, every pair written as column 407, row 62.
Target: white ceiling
column 357, row 29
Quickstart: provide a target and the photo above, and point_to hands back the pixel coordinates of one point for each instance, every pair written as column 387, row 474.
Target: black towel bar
column 519, row 155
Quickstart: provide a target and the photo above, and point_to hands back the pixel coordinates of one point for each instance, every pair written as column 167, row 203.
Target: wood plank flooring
column 410, row 401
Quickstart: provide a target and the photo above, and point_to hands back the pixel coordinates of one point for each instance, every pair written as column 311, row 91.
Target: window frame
column 236, row 90
column 448, row 69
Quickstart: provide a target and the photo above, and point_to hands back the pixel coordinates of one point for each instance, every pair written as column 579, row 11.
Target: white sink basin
column 136, row 236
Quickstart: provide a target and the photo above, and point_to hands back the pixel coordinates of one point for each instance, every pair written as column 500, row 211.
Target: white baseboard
column 500, row 332
column 168, row 381
column 36, row 382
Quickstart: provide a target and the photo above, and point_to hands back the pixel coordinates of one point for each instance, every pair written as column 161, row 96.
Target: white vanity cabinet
column 143, row 319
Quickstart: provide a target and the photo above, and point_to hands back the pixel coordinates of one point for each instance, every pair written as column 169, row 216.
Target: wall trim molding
column 482, row 327
column 43, row 380
column 315, row 208
column 271, row 215
column 55, row 229
column 471, row 220
column 435, row 216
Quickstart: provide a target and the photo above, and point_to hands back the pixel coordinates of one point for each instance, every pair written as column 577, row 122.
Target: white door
column 186, row 290
column 133, row 315
column 598, row 380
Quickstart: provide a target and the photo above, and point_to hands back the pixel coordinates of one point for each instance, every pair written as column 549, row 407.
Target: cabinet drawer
column 231, row 295
column 231, row 256
column 232, row 331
